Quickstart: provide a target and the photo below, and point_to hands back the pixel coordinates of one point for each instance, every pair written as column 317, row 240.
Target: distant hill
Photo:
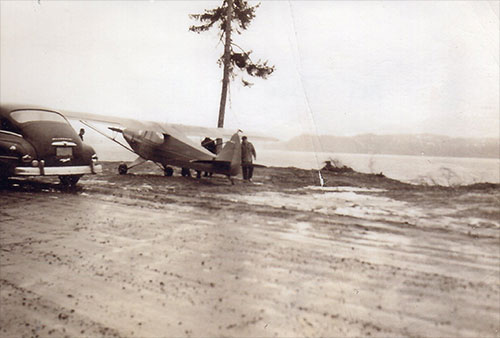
column 421, row 144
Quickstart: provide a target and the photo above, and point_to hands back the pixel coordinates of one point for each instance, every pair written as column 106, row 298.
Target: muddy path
column 143, row 255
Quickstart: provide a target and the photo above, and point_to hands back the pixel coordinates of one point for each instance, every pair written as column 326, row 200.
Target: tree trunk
column 227, row 67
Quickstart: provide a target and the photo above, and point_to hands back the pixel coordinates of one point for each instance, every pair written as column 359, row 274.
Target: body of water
column 413, row 169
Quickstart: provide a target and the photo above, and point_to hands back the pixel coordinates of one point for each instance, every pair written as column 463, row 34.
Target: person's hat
column 244, row 138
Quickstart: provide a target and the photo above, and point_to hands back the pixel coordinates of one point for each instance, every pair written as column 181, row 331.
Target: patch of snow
column 343, row 202
column 344, row 188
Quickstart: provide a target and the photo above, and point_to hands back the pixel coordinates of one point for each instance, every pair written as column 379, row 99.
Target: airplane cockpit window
column 23, row 116
column 153, row 136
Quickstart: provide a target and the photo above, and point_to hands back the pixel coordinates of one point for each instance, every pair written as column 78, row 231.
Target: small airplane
column 168, row 145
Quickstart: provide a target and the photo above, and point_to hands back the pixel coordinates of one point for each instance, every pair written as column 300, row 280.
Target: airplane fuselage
column 182, row 152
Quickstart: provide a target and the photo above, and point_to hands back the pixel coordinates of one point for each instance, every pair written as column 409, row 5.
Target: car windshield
column 23, row 116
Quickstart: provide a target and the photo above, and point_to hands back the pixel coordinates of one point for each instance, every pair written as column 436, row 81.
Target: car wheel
column 69, row 180
column 122, row 169
column 3, row 180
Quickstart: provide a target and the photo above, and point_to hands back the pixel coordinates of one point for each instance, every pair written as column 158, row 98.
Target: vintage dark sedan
column 41, row 142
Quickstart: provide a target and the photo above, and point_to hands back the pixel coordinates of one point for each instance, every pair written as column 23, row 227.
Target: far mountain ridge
column 395, row 144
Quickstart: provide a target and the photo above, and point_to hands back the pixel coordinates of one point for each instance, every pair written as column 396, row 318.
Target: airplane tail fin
column 231, row 152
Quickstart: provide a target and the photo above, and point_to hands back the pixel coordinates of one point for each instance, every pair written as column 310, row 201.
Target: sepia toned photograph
column 238, row 168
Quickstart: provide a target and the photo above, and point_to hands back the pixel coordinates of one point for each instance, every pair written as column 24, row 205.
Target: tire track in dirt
column 136, row 258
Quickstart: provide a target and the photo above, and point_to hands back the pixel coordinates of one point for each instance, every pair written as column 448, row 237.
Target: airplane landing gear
column 185, row 172
column 122, row 169
column 168, row 171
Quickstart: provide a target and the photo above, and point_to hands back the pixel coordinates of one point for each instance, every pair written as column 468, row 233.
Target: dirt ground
column 144, row 255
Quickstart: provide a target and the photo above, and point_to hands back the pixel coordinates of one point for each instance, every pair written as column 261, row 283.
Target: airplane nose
column 128, row 135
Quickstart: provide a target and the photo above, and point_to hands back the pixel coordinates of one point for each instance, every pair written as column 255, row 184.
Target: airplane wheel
column 69, row 180
column 122, row 169
column 168, row 171
column 185, row 172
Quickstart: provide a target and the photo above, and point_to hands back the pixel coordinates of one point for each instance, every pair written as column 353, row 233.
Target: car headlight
column 12, row 148
column 94, row 158
column 26, row 158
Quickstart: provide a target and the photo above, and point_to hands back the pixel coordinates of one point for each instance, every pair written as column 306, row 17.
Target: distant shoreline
column 404, row 145
column 386, row 154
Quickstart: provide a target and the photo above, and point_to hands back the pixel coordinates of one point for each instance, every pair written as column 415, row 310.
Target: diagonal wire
column 306, row 97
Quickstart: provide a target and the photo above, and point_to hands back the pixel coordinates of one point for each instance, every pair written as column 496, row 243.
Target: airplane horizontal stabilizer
column 211, row 162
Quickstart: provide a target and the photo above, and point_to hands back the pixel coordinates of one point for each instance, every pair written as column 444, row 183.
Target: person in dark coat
column 209, row 144
column 247, row 155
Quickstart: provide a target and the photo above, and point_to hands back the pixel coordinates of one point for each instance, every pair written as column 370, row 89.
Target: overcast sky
column 342, row 67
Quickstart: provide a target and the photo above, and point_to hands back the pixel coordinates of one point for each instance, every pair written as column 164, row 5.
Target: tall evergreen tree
column 241, row 14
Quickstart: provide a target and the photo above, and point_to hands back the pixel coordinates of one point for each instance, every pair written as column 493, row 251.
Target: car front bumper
column 58, row 171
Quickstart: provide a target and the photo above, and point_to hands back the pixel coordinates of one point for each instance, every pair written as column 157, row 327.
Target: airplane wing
column 167, row 128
